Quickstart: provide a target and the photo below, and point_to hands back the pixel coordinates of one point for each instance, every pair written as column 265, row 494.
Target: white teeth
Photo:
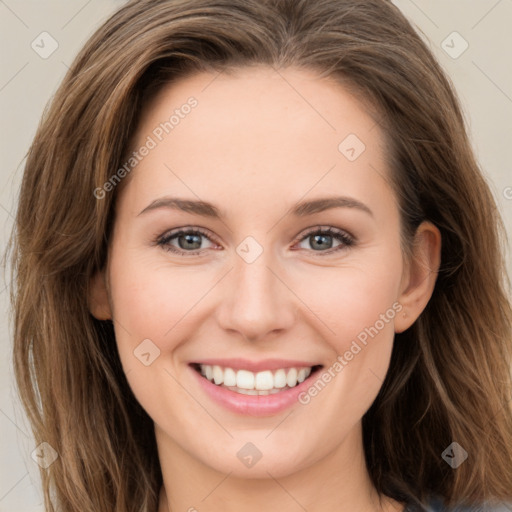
column 250, row 383
column 280, row 379
column 218, row 375
column 291, row 378
column 229, row 377
column 264, row 381
column 244, row 379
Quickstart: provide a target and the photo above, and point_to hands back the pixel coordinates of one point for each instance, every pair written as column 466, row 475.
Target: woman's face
column 220, row 261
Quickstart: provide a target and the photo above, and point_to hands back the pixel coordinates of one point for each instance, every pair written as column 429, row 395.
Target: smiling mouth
column 267, row 382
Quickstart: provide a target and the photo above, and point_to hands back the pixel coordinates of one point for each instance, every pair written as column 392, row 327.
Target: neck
column 338, row 482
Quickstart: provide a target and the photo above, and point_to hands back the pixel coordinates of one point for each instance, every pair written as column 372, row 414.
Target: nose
column 256, row 301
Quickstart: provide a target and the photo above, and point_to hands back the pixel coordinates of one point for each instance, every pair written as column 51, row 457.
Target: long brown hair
column 449, row 378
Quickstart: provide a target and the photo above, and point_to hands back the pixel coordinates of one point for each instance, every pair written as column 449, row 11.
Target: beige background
column 482, row 75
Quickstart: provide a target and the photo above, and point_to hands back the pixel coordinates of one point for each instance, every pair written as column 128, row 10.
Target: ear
column 99, row 305
column 420, row 274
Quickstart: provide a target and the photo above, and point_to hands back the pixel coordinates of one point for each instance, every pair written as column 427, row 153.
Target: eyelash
column 346, row 239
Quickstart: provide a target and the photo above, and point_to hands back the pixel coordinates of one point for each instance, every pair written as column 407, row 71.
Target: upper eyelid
column 324, row 228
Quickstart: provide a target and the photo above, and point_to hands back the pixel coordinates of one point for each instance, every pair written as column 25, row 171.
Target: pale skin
column 257, row 143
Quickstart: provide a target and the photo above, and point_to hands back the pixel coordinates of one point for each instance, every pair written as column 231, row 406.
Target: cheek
column 356, row 310
column 346, row 302
column 154, row 301
column 154, row 304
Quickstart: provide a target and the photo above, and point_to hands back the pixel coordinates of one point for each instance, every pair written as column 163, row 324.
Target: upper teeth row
column 261, row 381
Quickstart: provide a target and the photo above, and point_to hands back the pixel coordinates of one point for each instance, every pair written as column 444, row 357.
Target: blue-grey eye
column 188, row 241
column 322, row 240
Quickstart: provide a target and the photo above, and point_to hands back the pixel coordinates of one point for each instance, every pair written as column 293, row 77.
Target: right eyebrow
column 202, row 208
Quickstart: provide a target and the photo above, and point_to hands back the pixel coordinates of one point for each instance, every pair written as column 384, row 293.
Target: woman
column 337, row 336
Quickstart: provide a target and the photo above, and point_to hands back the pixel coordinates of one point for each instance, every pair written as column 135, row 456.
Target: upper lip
column 256, row 366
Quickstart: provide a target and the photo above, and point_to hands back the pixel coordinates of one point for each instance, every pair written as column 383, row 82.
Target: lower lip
column 253, row 405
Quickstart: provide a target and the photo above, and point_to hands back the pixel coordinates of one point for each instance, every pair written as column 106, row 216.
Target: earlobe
column 98, row 302
column 420, row 275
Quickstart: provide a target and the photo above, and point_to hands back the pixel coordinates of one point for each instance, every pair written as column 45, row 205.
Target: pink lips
column 253, row 405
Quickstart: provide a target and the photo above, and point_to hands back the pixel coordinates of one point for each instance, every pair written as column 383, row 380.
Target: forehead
column 226, row 97
column 258, row 131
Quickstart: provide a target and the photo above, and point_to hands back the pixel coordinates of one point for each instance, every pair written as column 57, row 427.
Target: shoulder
column 436, row 505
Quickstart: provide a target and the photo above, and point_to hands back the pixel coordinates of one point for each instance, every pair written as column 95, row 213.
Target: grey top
column 436, row 505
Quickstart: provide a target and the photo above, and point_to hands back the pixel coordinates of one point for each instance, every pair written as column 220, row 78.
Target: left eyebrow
column 303, row 209
column 320, row 205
